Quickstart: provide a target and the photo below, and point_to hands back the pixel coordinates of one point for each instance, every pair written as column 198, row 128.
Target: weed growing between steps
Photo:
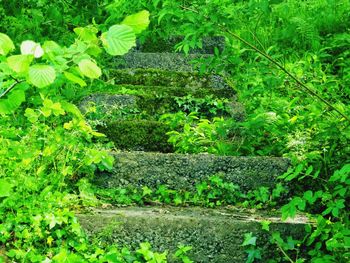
column 213, row 192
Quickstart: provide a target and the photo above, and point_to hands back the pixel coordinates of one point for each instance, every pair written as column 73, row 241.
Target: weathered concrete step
column 184, row 171
column 156, row 77
column 138, row 135
column 215, row 235
column 168, row 45
column 115, row 106
column 165, row 61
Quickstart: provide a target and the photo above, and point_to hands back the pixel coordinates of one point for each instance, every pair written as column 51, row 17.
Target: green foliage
column 46, row 146
column 213, row 192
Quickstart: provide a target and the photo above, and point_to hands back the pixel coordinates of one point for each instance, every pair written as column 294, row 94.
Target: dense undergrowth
column 47, row 147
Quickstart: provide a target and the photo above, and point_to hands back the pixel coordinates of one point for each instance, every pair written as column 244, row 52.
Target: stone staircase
column 145, row 86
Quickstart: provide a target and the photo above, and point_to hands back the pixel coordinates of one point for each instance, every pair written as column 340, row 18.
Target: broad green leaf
column 29, row 47
column 41, row 75
column 6, row 44
column 73, row 78
column 19, row 63
column 5, row 188
column 118, row 40
column 138, row 21
column 89, row 69
column 13, row 100
column 52, row 47
column 249, row 239
column 87, row 33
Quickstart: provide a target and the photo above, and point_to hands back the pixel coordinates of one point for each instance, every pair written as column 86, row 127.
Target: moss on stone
column 138, row 135
column 161, row 91
column 155, row 77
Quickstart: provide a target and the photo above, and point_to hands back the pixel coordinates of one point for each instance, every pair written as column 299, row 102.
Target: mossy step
column 117, row 106
column 156, row 77
column 160, row 91
column 168, row 45
column 215, row 235
column 137, row 135
column 165, row 61
column 184, row 171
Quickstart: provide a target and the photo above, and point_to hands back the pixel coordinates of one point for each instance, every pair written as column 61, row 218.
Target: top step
column 160, row 46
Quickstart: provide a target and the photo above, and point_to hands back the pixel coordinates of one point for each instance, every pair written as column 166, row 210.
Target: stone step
column 156, row 77
column 168, row 45
column 137, row 135
column 215, row 235
column 165, row 61
column 118, row 106
column 184, row 171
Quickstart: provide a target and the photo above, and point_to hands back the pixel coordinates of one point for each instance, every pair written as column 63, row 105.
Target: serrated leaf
column 249, row 239
column 138, row 21
column 19, row 63
column 41, row 75
column 118, row 40
column 6, row 44
column 89, row 69
column 73, row 78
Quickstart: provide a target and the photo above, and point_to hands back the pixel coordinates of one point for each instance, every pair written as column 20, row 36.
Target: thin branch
column 11, row 87
column 284, row 253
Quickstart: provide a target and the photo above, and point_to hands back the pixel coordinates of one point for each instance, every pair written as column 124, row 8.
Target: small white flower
column 271, row 116
column 29, row 47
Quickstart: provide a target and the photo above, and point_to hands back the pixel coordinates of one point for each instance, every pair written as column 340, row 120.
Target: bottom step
column 215, row 235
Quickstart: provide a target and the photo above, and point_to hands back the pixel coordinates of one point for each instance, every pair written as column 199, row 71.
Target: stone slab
column 165, row 61
column 215, row 235
column 184, row 171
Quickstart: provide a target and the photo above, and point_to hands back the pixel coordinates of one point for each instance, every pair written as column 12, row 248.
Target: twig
column 11, row 87
column 284, row 253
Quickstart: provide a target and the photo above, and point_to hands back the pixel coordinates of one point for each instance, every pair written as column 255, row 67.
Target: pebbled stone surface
column 165, row 61
column 215, row 235
column 184, row 171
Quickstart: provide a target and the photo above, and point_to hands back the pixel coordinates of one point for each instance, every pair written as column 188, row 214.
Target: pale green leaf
column 6, row 44
column 5, row 188
column 19, row 63
column 41, row 75
column 138, row 21
column 118, row 40
column 89, row 69
column 75, row 79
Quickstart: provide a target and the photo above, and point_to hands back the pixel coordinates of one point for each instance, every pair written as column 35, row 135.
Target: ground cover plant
column 47, row 146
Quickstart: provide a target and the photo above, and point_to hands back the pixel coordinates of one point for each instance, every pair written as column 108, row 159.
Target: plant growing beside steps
column 46, row 145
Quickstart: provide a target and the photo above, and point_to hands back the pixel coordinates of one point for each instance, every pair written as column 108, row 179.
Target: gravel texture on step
column 215, row 235
column 184, row 171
